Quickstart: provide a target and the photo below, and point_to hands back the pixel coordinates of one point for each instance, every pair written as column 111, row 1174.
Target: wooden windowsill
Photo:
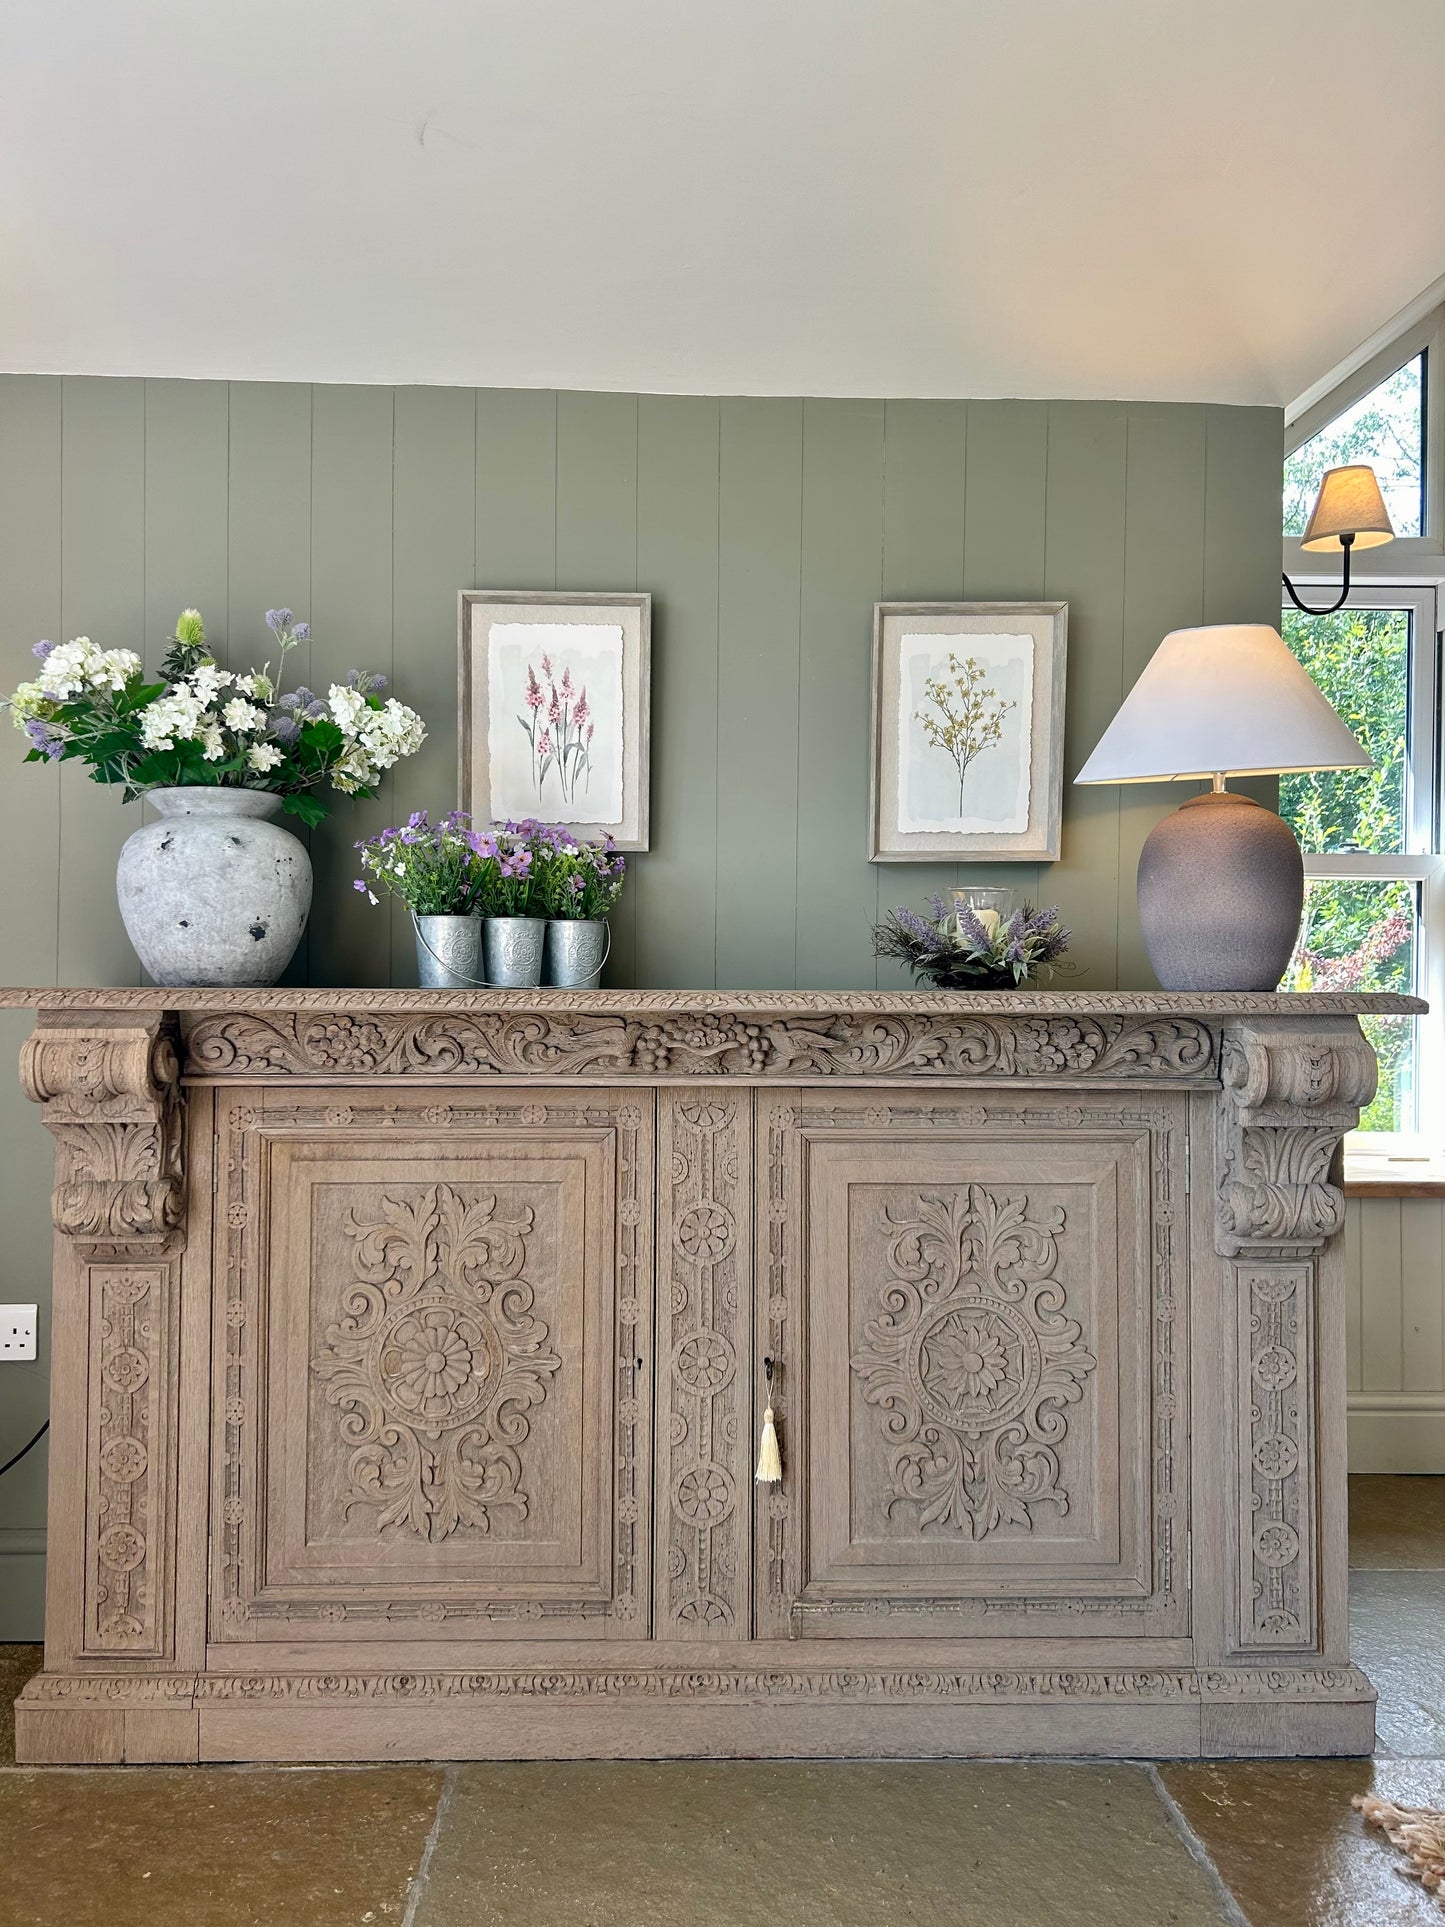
column 1400, row 1172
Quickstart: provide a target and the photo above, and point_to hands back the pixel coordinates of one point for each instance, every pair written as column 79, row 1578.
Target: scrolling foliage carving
column 112, row 1103
column 972, row 1360
column 437, row 1362
column 698, row 1043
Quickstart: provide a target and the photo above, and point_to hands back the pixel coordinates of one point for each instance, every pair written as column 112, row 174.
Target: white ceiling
column 1203, row 199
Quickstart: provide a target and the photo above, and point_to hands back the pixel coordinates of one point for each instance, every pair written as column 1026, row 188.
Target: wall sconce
column 1349, row 513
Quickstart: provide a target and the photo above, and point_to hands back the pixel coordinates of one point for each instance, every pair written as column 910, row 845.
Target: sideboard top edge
column 769, row 1003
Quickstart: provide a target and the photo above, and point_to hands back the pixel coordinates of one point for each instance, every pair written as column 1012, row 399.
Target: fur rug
column 1420, row 1831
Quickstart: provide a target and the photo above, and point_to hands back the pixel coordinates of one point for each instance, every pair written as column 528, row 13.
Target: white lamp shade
column 1229, row 700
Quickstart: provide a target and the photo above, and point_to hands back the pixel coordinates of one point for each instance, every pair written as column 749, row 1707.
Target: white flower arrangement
column 205, row 725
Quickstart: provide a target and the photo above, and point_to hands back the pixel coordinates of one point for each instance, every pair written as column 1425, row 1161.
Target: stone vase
column 214, row 893
column 1221, row 891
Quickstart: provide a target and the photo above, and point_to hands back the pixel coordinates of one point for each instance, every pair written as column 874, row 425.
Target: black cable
column 24, row 1449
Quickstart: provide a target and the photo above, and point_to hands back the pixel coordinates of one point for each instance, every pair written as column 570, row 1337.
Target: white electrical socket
column 18, row 1326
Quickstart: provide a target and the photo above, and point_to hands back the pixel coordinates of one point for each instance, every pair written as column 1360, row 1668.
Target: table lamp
column 1221, row 881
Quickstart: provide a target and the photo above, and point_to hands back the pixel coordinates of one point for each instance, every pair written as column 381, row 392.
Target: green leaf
column 309, row 808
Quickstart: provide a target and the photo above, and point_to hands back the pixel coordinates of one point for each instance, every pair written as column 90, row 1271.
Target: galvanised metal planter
column 448, row 952
column 512, row 950
column 577, row 948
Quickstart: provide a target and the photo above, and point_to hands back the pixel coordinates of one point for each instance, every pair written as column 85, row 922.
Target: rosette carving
column 972, row 1361
column 436, row 1363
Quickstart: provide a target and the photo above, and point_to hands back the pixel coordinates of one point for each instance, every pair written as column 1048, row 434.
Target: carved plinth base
column 661, row 1707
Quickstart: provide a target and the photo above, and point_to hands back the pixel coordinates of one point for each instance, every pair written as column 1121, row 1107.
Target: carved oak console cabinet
column 408, row 1361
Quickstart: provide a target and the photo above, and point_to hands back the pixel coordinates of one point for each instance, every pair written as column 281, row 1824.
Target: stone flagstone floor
column 1268, row 1843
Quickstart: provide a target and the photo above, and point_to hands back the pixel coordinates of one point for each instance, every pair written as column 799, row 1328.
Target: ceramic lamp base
column 1221, row 892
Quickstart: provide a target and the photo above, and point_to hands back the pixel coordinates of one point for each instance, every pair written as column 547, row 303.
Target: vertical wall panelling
column 1164, row 590
column 924, row 465
column 675, row 890
column 1006, row 509
column 433, row 557
column 102, row 596
column 30, row 519
column 1380, row 1352
column 597, row 547
column 350, row 614
column 187, row 483
column 842, row 569
column 1422, row 1296
column 516, row 489
column 760, row 553
column 1084, row 566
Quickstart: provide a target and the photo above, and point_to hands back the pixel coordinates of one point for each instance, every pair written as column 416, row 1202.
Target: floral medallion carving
column 437, row 1362
column 972, row 1360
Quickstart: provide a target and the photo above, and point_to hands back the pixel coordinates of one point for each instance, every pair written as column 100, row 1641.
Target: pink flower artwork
column 564, row 740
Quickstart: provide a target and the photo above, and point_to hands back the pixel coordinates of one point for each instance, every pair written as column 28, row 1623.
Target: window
column 1385, row 428
column 1375, row 886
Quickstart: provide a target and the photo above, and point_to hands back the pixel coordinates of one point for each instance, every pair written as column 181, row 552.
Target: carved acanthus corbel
column 111, row 1098
column 1289, row 1096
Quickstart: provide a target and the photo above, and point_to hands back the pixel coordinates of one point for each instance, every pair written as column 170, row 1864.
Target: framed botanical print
column 968, row 731
column 553, row 694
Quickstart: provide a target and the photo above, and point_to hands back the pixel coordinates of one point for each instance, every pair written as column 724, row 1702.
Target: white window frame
column 1421, row 862
column 1409, row 558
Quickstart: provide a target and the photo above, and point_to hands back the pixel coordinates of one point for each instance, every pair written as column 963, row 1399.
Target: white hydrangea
column 245, row 718
column 26, row 700
column 73, row 666
column 112, row 669
column 354, row 771
column 263, row 756
column 348, row 706
column 391, row 732
column 170, row 719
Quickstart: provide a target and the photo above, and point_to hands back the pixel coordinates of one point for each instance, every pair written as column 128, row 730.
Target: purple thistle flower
column 48, row 741
column 302, row 632
column 286, row 730
column 279, row 619
column 42, row 649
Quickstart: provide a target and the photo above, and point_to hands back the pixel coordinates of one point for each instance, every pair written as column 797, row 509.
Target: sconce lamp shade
column 1227, row 700
column 1349, row 503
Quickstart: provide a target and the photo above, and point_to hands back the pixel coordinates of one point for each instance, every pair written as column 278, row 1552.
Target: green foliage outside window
column 1359, row 934
column 1386, row 428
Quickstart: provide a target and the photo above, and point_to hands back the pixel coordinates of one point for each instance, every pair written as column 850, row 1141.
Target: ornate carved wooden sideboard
column 408, row 1364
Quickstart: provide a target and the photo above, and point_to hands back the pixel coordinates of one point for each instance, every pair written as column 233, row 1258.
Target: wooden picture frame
column 967, row 745
column 522, row 750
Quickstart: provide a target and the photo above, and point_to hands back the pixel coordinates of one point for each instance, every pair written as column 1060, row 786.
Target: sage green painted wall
column 766, row 529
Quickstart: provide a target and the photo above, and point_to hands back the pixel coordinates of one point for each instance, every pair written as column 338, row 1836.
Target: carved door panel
column 978, row 1307
column 435, row 1318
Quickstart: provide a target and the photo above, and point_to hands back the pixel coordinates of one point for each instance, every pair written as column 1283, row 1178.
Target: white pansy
column 348, row 706
column 243, row 717
column 169, row 719
column 263, row 756
column 207, row 680
column 214, row 741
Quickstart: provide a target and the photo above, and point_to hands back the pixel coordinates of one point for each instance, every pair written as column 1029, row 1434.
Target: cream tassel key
column 770, row 1462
